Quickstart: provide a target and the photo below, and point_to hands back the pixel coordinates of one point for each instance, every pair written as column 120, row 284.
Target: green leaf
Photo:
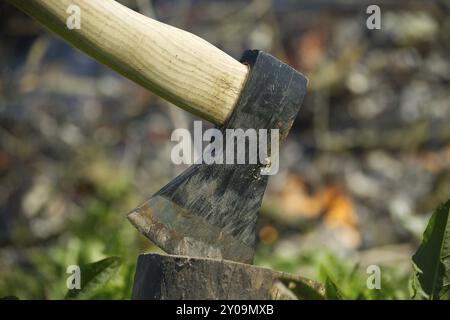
column 94, row 276
column 331, row 290
column 431, row 262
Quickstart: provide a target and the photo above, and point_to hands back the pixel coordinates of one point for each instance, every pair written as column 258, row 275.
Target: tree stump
column 160, row 277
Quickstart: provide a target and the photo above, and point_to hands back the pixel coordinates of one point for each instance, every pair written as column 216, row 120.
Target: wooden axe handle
column 175, row 64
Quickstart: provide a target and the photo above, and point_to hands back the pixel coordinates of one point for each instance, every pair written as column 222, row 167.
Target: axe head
column 211, row 210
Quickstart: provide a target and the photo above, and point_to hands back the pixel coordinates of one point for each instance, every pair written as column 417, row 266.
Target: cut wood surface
column 175, row 64
column 178, row 277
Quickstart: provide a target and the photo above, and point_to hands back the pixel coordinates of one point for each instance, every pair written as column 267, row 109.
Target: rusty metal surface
column 183, row 233
column 212, row 210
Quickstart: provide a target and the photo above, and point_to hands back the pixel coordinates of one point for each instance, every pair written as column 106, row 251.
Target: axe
column 210, row 210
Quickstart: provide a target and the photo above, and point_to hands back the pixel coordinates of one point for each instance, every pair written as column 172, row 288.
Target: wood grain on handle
column 175, row 64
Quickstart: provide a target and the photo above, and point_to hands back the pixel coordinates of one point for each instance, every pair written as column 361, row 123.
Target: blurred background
column 367, row 161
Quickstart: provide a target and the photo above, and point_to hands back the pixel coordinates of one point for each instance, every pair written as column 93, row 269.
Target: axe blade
column 201, row 214
column 211, row 210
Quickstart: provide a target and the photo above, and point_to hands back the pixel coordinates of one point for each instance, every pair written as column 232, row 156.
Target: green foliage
column 347, row 280
column 431, row 278
column 331, row 290
column 347, row 277
column 94, row 276
column 97, row 229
